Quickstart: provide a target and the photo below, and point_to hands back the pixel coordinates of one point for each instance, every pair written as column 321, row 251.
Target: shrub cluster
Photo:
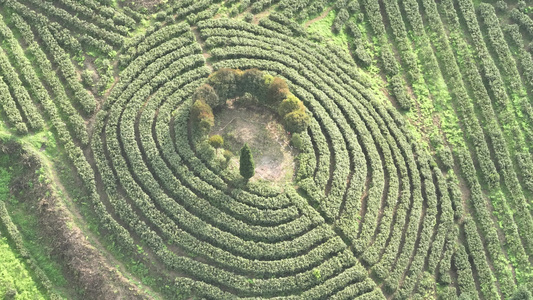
column 248, row 87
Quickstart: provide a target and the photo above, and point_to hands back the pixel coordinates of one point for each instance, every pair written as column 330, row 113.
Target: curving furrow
column 404, row 253
column 365, row 186
column 369, row 213
column 352, row 117
column 178, row 200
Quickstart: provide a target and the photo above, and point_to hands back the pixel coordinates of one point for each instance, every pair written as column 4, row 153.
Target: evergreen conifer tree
column 247, row 165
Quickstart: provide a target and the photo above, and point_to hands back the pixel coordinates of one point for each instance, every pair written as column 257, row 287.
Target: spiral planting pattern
column 308, row 241
column 412, row 180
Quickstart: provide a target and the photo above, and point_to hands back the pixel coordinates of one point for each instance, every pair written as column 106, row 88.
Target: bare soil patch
column 261, row 130
column 83, row 265
column 148, row 4
column 259, row 16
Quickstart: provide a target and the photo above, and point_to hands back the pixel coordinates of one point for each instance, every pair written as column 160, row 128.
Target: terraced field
column 413, row 179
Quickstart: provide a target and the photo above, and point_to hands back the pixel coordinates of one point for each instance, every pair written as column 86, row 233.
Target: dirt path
column 262, row 131
column 322, row 16
column 259, row 16
column 201, row 42
column 113, row 272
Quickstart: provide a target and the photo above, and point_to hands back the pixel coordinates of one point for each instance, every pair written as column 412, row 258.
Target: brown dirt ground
column 149, row 4
column 262, row 131
column 83, row 264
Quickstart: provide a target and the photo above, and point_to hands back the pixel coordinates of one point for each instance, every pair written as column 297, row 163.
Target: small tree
column 297, row 141
column 216, row 141
column 246, row 164
column 277, row 91
column 87, row 78
column 522, row 294
column 225, row 82
column 202, row 115
column 227, row 155
column 252, row 81
column 207, row 93
column 289, row 105
column 296, row 121
column 247, row 100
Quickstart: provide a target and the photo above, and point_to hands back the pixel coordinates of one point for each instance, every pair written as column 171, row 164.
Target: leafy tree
column 248, row 17
column 227, row 155
column 340, row 19
column 446, row 157
column 296, row 121
column 501, row 5
column 521, row 5
column 297, row 141
column 267, row 80
column 252, row 81
column 277, row 91
column 316, row 273
column 246, row 165
column 464, row 296
column 202, row 115
column 87, row 78
column 290, row 104
column 216, row 141
column 247, row 100
column 389, row 61
column 522, row 294
column 398, row 89
column 207, row 94
column 225, row 82
column 362, row 56
column 160, row 16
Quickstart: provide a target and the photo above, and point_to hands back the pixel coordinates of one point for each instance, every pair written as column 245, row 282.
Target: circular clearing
column 261, row 130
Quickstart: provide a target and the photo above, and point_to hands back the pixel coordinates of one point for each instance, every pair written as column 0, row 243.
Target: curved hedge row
column 419, row 195
column 36, row 88
column 249, row 63
column 176, row 198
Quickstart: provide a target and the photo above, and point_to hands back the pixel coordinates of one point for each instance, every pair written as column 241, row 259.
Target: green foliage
column 202, row 116
column 5, row 178
column 160, row 16
column 277, row 91
column 362, row 56
column 248, row 87
column 501, row 5
column 316, row 273
column 10, row 108
column 293, row 113
column 389, row 61
column 246, row 163
column 227, row 155
column 398, row 89
column 225, row 81
column 248, row 99
column 248, row 17
column 340, row 19
column 296, row 141
column 87, row 78
column 75, row 121
column 216, row 141
column 376, row 193
column 296, row 121
column 522, row 294
column 267, row 79
column 290, row 104
column 15, row 280
column 252, row 82
column 207, row 94
column 445, row 155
